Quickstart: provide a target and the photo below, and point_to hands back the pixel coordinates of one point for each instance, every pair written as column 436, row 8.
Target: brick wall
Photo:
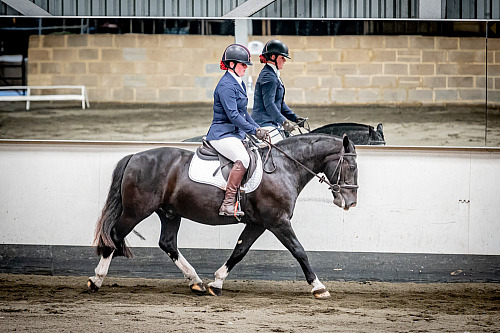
column 323, row 70
column 129, row 68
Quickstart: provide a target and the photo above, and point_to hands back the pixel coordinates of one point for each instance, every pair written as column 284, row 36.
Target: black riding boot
column 233, row 183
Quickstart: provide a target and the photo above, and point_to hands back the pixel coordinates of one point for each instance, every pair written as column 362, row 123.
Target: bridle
column 335, row 188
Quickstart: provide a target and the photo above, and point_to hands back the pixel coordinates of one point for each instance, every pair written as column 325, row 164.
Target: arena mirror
column 430, row 83
column 492, row 111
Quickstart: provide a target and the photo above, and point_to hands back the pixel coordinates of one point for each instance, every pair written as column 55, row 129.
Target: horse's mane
column 308, row 138
column 344, row 125
column 296, row 144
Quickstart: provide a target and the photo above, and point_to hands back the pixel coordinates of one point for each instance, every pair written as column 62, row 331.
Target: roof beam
column 26, row 7
column 248, row 8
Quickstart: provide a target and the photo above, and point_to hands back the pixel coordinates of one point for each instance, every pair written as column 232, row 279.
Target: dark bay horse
column 156, row 181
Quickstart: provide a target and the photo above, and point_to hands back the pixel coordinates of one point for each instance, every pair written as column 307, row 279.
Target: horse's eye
column 352, row 168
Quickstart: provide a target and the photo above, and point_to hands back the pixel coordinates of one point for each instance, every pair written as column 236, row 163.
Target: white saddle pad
column 202, row 171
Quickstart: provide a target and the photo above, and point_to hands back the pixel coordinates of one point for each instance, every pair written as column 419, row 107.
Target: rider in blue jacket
column 269, row 109
column 231, row 121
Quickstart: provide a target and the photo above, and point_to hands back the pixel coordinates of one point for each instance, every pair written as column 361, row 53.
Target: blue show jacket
column 231, row 117
column 269, row 107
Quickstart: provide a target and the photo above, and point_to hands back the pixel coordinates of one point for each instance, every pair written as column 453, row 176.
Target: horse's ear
column 345, row 142
column 380, row 128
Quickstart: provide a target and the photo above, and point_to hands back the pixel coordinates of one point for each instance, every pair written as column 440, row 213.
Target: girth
column 207, row 152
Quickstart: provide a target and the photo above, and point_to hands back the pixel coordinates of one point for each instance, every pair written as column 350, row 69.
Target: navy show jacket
column 269, row 107
column 231, row 117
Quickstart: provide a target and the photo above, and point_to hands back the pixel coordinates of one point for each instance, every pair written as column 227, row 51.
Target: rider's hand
column 301, row 121
column 288, row 126
column 261, row 133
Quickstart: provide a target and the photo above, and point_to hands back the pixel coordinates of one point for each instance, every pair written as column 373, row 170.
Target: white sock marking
column 101, row 270
column 188, row 270
column 317, row 285
column 220, row 276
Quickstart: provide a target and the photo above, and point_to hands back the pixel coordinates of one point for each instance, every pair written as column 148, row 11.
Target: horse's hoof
column 91, row 285
column 198, row 288
column 215, row 291
column 321, row 294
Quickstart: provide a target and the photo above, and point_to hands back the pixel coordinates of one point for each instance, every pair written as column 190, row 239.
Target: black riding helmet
column 275, row 46
column 237, row 53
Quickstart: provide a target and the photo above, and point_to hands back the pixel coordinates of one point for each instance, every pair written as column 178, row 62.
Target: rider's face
column 280, row 62
column 240, row 69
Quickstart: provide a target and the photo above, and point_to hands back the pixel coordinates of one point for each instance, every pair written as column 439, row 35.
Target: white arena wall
column 411, row 200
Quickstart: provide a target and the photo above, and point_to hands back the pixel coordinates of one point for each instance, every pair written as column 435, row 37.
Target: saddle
column 208, row 153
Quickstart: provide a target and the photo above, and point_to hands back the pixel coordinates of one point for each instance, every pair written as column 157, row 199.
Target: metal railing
column 450, row 9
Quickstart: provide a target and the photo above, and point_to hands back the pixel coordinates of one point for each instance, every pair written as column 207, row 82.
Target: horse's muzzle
column 345, row 203
column 346, row 207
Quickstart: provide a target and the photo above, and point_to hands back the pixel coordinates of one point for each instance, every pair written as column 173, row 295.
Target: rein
column 334, row 188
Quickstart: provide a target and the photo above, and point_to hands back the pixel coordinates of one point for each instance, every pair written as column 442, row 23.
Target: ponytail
column 223, row 66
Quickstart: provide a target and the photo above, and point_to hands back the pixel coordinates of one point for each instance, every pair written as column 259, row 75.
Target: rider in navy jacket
column 231, row 117
column 231, row 121
column 269, row 109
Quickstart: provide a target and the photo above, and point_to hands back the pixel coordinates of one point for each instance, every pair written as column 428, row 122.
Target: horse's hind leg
column 168, row 243
column 95, row 282
column 245, row 241
column 119, row 231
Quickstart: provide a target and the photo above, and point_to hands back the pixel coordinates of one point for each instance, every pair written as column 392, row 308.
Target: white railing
column 28, row 96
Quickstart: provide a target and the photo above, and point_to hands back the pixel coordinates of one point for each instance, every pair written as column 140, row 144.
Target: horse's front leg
column 245, row 241
column 287, row 237
column 168, row 243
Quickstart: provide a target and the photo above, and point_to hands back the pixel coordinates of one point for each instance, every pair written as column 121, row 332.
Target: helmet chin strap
column 275, row 61
column 233, row 69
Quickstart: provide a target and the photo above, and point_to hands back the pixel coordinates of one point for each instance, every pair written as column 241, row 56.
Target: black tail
column 110, row 215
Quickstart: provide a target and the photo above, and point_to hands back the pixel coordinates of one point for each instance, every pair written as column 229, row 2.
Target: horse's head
column 342, row 173
column 376, row 137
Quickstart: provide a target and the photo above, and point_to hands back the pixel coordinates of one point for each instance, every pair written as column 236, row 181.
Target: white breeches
column 274, row 133
column 233, row 149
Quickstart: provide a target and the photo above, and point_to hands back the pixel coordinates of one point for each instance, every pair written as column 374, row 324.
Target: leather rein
column 322, row 179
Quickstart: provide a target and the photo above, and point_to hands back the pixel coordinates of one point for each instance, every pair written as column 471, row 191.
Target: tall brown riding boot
column 233, row 183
